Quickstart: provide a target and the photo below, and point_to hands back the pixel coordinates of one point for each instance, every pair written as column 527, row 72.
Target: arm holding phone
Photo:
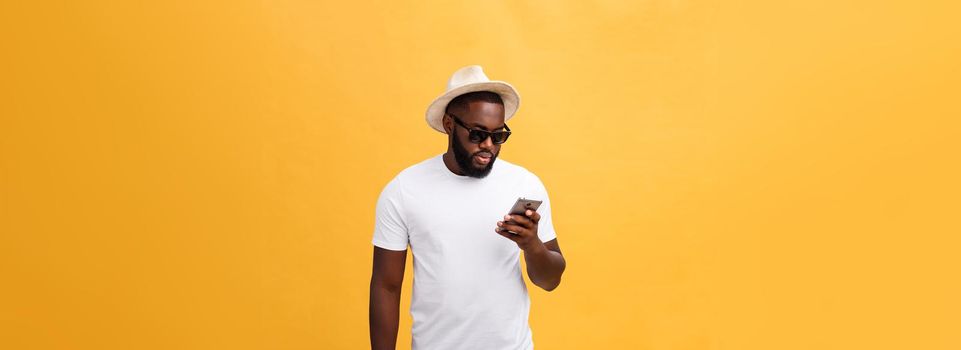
column 545, row 262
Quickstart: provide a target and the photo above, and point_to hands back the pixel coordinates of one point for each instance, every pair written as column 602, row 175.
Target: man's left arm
column 545, row 262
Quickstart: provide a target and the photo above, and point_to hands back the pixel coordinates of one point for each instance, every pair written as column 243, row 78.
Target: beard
column 465, row 160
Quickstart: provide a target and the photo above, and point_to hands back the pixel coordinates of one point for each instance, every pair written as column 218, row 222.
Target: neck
column 451, row 163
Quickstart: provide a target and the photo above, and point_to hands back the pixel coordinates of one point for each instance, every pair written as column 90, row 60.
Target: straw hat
column 466, row 80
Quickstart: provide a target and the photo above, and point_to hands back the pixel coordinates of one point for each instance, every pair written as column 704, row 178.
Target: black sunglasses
column 478, row 136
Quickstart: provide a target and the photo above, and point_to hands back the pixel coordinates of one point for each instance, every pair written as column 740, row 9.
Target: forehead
column 483, row 114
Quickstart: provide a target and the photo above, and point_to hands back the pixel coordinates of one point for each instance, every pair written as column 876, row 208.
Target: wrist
column 535, row 247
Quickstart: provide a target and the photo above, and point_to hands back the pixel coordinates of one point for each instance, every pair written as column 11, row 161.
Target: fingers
column 533, row 215
column 519, row 220
column 506, row 234
column 519, row 230
column 529, row 219
column 523, row 226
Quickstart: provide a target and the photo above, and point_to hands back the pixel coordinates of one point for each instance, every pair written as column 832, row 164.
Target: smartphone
column 522, row 205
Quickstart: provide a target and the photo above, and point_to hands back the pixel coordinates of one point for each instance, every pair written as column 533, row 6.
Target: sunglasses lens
column 499, row 137
column 477, row 136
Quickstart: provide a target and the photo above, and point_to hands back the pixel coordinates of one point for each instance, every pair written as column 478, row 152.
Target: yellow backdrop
column 724, row 174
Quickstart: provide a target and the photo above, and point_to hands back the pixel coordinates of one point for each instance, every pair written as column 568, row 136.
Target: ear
column 448, row 124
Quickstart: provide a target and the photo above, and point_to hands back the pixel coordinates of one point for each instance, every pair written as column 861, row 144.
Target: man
column 450, row 209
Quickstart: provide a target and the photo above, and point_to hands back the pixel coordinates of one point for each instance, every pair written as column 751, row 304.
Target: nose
column 487, row 144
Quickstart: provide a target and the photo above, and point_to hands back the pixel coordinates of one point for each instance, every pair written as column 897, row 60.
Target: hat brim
column 435, row 112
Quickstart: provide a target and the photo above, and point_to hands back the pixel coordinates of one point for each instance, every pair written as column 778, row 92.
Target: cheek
column 464, row 143
column 470, row 146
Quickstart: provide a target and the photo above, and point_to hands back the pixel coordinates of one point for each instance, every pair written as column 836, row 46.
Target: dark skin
column 545, row 262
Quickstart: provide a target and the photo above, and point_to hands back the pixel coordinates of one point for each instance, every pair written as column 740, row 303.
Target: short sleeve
column 390, row 227
column 545, row 227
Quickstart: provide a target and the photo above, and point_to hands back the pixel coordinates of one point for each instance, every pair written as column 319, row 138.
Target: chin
column 481, row 172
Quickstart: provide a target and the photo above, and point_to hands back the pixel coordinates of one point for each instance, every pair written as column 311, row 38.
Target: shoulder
column 511, row 169
column 412, row 174
column 423, row 168
column 519, row 172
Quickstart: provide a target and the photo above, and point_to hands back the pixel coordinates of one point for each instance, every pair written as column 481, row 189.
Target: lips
column 482, row 158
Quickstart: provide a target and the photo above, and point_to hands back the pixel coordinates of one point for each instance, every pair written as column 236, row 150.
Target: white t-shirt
column 468, row 289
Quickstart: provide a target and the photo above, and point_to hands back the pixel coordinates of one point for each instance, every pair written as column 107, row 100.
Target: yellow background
column 724, row 174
